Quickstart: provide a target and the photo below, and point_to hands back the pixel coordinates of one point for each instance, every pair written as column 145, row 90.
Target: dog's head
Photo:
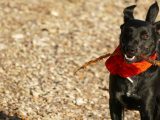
column 139, row 37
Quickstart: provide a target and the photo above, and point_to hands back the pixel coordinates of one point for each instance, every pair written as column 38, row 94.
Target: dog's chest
column 133, row 86
column 131, row 97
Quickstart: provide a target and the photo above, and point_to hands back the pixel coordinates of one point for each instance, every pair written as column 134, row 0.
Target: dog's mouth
column 130, row 58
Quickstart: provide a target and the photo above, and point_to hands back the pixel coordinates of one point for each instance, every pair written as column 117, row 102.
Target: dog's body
column 143, row 95
column 137, row 37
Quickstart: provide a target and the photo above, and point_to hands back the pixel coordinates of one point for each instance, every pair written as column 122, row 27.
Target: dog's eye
column 145, row 36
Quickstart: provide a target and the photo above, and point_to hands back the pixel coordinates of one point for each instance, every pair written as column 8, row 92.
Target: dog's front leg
column 116, row 110
column 147, row 111
column 147, row 115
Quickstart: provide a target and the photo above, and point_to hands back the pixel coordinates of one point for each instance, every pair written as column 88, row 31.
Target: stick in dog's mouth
column 154, row 62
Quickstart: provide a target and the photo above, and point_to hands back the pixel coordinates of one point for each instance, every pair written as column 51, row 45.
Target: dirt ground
column 42, row 42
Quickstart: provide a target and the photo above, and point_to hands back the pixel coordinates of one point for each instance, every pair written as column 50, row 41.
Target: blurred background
column 42, row 42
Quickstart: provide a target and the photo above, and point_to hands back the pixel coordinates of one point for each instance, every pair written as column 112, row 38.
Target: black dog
column 140, row 92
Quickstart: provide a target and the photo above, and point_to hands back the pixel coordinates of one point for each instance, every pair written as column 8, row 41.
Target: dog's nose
column 131, row 50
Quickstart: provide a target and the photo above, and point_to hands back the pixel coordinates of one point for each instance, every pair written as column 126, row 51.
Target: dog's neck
column 137, row 81
column 148, row 74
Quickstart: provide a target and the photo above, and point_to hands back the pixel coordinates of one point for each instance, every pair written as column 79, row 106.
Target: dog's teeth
column 130, row 59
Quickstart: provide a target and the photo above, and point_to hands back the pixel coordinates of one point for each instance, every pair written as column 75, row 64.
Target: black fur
column 138, row 37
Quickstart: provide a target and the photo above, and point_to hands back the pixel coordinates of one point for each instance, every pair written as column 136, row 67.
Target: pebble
column 18, row 36
column 34, row 93
column 2, row 46
column 79, row 101
column 54, row 13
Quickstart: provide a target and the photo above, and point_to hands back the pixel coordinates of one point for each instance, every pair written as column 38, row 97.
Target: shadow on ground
column 4, row 116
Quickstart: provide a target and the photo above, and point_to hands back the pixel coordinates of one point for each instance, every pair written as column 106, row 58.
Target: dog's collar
column 117, row 65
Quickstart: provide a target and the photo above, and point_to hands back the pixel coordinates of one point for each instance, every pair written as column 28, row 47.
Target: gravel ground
column 42, row 42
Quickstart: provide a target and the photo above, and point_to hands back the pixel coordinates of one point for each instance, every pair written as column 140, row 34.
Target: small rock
column 2, row 46
column 18, row 36
column 34, row 93
column 79, row 101
column 54, row 13
column 40, row 41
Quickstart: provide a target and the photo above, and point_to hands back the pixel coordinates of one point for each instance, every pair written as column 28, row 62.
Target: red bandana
column 118, row 66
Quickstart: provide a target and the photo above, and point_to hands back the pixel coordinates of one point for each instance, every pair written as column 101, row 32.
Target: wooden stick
column 93, row 62
column 154, row 62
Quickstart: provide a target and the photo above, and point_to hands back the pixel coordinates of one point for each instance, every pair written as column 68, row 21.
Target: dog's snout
column 131, row 50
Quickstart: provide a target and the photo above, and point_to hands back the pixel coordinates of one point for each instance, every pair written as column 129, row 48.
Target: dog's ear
column 128, row 13
column 152, row 13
